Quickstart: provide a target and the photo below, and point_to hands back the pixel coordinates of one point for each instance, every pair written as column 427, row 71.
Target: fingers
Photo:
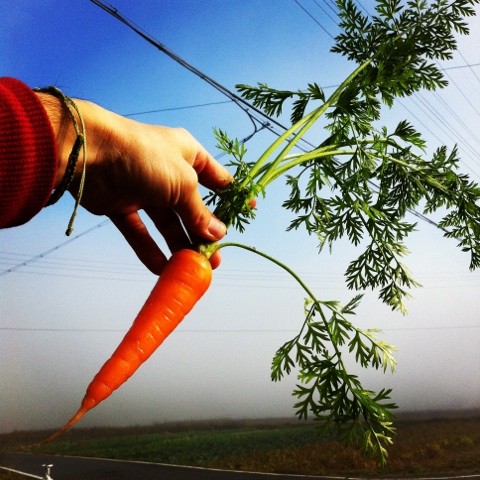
column 135, row 232
column 170, row 226
column 138, row 237
column 211, row 174
column 215, row 260
column 198, row 219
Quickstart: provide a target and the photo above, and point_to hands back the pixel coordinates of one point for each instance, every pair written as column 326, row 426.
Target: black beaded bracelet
column 79, row 144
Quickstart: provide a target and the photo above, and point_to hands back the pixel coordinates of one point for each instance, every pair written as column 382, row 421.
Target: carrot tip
column 81, row 412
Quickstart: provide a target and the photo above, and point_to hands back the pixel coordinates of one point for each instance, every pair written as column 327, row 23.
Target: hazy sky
column 62, row 316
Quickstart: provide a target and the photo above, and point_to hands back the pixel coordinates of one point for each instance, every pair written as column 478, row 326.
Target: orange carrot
column 183, row 281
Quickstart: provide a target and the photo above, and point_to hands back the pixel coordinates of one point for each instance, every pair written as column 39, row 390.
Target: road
column 82, row 468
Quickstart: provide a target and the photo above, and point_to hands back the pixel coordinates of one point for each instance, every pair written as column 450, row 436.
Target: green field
column 423, row 447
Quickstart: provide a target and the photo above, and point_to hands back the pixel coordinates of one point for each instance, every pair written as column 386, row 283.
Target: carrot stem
column 275, row 261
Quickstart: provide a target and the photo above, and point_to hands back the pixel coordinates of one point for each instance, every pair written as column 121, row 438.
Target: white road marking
column 21, row 473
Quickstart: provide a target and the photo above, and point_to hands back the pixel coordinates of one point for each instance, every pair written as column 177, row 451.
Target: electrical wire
column 326, row 11
column 462, row 93
column 437, row 117
column 314, row 19
column 471, row 152
column 222, row 330
column 470, row 66
column 362, row 7
column 258, row 124
column 237, row 99
column 242, row 103
column 466, row 65
column 55, row 266
column 252, row 111
column 331, row 5
column 448, row 130
column 459, row 120
column 53, row 249
column 171, row 109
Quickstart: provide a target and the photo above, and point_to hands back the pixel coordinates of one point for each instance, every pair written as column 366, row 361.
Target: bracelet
column 79, row 144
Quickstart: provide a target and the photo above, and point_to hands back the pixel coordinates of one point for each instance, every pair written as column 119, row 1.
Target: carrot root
column 184, row 280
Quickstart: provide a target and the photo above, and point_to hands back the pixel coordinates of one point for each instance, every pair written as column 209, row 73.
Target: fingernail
column 216, row 228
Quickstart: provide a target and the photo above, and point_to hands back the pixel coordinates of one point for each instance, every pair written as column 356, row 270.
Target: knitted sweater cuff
column 28, row 154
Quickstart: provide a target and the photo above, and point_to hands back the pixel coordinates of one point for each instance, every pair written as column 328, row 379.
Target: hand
column 133, row 166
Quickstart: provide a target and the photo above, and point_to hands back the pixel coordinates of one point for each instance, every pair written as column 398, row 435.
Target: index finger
column 211, row 173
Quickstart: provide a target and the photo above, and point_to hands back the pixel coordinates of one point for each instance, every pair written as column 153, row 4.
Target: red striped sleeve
column 27, row 154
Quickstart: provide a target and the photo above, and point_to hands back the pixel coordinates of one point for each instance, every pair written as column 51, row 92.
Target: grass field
column 423, row 447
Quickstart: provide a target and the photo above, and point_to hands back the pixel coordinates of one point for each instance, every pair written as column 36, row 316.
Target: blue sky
column 62, row 316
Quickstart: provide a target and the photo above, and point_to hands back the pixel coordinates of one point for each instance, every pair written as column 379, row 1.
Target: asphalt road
column 82, row 468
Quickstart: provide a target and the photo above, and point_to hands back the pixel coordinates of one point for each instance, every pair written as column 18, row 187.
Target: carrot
column 183, row 281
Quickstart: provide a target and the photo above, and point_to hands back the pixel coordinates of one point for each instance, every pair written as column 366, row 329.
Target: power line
column 463, row 94
column 330, row 6
column 447, row 129
column 113, row 11
column 53, row 249
column 362, row 7
column 413, row 212
column 460, row 120
column 314, row 19
column 467, row 65
column 119, row 330
column 326, row 11
column 239, row 101
column 436, row 118
column 220, row 330
column 263, row 279
column 134, row 268
column 171, row 109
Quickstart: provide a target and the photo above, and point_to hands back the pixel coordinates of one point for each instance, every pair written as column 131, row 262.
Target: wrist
column 63, row 130
column 66, row 132
column 66, row 172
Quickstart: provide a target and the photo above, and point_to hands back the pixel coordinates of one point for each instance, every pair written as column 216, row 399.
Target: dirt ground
column 422, row 448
